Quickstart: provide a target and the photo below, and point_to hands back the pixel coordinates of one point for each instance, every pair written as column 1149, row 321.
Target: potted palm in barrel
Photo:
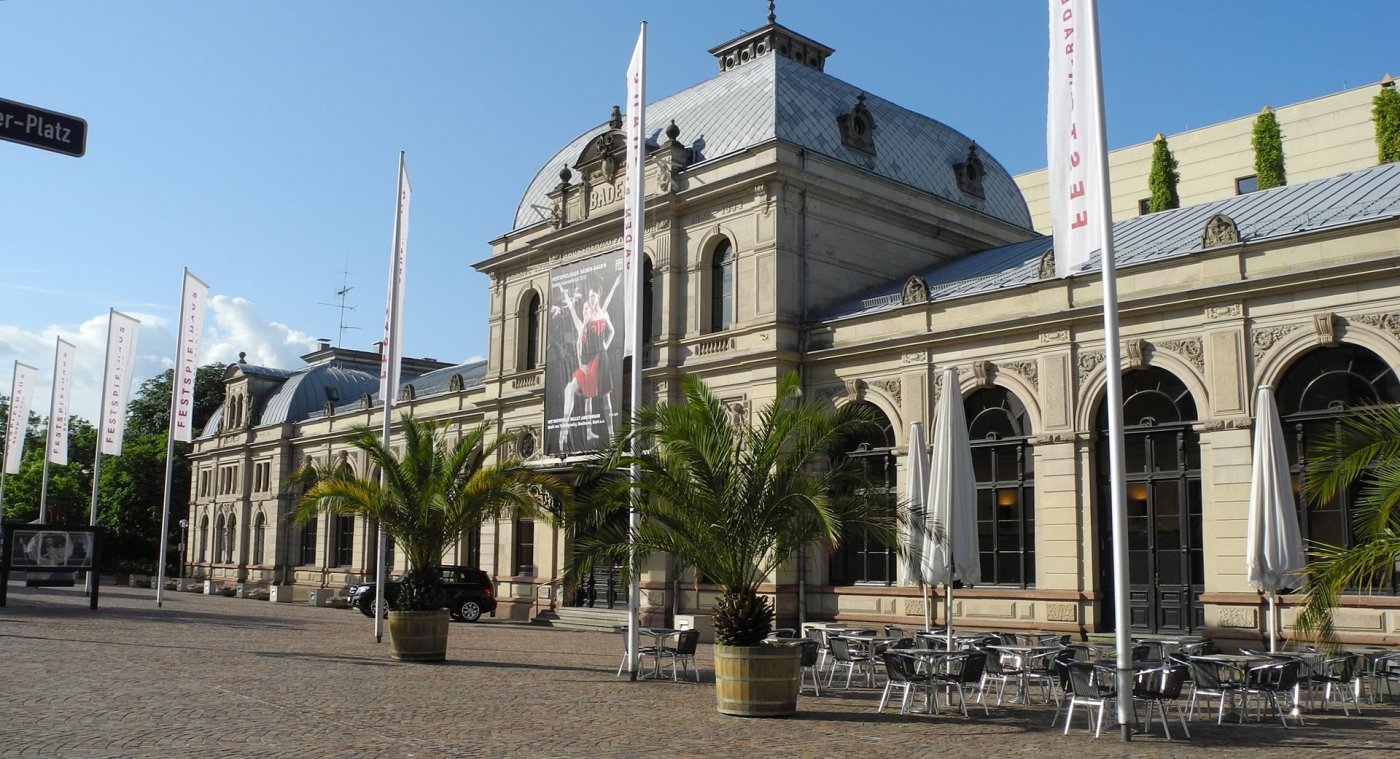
column 431, row 496
column 735, row 499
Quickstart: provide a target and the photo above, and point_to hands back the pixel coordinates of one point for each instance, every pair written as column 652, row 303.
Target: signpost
column 42, row 128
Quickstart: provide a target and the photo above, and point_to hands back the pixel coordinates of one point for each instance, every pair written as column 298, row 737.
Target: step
column 583, row 618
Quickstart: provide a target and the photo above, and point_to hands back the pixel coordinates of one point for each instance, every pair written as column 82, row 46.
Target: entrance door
column 603, row 589
column 1166, row 567
column 1165, row 558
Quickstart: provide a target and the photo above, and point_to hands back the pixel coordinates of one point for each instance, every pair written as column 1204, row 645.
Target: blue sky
column 255, row 142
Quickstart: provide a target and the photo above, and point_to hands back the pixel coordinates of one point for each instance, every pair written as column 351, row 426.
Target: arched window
column 722, row 287
column 1005, row 472
column 531, row 359
column 1314, row 395
column 204, row 538
column 862, row 558
column 218, row 539
column 230, row 538
column 1162, row 463
column 259, row 532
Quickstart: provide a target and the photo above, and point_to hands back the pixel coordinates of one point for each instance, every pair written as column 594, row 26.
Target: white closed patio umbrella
column 916, row 490
column 951, row 551
column 1273, row 546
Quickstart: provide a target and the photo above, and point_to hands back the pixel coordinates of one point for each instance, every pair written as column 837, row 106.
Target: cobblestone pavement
column 223, row 677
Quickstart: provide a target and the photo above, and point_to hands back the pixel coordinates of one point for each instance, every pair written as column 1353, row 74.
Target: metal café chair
column 1160, row 686
column 1384, row 675
column 1214, row 679
column 960, row 670
column 843, row 656
column 1090, row 690
column 1344, row 674
column 903, row 674
column 1269, row 680
column 643, row 651
column 811, row 651
column 683, row 653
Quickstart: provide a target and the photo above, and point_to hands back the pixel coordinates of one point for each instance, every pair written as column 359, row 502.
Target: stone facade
column 809, row 233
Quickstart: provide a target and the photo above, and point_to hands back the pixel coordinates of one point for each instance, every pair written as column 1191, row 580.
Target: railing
column 712, row 346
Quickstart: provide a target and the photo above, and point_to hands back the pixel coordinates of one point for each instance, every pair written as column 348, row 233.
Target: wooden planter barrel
column 418, row 636
column 757, row 681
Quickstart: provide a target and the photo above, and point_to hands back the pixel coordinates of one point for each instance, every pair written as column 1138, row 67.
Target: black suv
column 469, row 593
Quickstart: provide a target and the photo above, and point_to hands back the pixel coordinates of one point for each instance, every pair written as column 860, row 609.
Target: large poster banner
column 583, row 375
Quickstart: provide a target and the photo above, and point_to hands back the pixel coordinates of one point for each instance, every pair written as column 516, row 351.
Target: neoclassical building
column 796, row 222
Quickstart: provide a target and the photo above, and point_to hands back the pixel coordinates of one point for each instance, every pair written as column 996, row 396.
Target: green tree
column 433, row 495
column 148, row 413
column 70, row 485
column 1366, row 449
column 1385, row 113
column 1268, row 151
column 1162, row 177
column 734, row 500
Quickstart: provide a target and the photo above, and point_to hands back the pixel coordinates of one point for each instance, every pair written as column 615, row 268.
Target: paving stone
column 210, row 676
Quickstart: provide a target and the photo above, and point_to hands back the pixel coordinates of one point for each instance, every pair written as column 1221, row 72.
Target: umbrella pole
column 1273, row 630
column 928, row 612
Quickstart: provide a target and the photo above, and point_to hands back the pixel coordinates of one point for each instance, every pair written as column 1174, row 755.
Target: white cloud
column 231, row 325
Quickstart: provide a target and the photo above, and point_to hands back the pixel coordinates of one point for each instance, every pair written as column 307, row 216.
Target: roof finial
column 772, row 14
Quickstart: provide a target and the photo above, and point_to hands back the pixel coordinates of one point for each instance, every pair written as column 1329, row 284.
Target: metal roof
column 253, row 370
column 308, row 390
column 436, row 382
column 1334, row 202
column 776, row 98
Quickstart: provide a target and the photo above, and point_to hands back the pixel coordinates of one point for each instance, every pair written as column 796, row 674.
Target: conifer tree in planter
column 1162, row 177
column 1385, row 113
column 734, row 499
column 432, row 496
column 1268, row 151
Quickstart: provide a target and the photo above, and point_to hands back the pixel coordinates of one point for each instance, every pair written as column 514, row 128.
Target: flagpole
column 634, row 226
column 181, row 425
column 1114, row 399
column 390, row 353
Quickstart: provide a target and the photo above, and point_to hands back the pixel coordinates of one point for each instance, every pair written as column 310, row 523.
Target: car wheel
column 366, row 608
column 469, row 611
column 375, row 603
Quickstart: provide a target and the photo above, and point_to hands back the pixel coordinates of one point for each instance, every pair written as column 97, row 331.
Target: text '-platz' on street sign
column 40, row 128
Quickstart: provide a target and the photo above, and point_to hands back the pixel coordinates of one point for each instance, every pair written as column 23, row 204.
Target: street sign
column 41, row 128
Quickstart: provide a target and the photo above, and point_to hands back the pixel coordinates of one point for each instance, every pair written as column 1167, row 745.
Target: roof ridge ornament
column 772, row 14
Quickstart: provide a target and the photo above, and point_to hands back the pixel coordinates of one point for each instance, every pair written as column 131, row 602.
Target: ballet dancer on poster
column 594, row 376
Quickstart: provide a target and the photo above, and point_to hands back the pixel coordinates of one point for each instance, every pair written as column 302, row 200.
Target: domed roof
column 309, row 390
column 775, row 98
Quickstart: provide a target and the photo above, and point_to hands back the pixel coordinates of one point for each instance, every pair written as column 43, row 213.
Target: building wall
column 808, row 232
column 1322, row 137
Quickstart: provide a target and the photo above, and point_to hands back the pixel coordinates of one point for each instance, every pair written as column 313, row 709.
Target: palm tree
column 431, row 496
column 732, row 499
column 1366, row 448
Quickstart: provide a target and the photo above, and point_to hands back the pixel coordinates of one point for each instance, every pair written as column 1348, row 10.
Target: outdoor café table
column 659, row 636
column 934, row 662
column 872, row 646
column 1234, row 668
column 1025, row 661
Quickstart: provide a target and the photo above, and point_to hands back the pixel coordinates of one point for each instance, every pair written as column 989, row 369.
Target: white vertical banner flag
column 58, row 403
column 391, row 354
column 193, row 297
column 21, row 394
column 633, row 221
column 116, row 386
column 1072, row 136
